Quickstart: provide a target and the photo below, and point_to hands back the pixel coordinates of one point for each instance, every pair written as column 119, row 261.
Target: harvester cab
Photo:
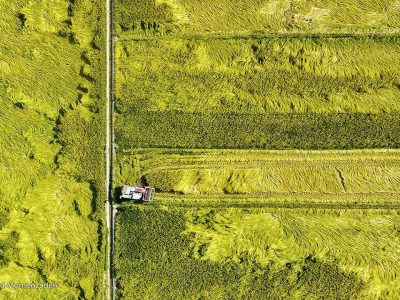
column 136, row 193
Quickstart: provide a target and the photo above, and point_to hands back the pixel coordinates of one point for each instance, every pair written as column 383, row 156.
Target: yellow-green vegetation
column 166, row 17
column 357, row 176
column 270, row 75
column 51, row 142
column 303, row 93
column 192, row 253
column 269, row 130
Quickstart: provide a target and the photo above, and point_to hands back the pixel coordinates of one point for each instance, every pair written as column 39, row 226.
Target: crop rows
column 268, row 131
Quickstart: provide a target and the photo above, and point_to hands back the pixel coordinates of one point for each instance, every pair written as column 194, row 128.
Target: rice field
column 254, row 75
column 289, row 92
column 270, row 131
column 168, row 17
column 256, row 253
column 290, row 177
column 51, row 174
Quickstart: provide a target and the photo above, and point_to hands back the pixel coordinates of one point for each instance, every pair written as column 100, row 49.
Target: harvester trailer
column 137, row 193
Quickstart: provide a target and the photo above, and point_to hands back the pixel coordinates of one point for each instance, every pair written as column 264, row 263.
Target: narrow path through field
column 109, row 151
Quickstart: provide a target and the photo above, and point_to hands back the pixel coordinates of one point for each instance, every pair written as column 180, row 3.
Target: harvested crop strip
column 292, row 177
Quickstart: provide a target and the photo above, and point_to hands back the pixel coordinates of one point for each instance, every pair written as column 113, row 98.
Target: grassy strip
column 166, row 17
column 282, row 75
column 301, row 131
column 270, row 253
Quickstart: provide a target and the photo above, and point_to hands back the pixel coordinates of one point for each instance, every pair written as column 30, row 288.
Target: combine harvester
column 136, row 193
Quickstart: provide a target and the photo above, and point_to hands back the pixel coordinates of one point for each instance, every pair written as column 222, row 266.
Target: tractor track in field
column 205, row 37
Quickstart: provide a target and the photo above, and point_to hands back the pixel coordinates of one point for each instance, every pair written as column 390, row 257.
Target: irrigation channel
column 110, row 209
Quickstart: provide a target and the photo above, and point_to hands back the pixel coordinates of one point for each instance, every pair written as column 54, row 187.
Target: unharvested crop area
column 168, row 17
column 270, row 130
column 192, row 253
column 304, row 93
column 254, row 75
column 51, row 142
